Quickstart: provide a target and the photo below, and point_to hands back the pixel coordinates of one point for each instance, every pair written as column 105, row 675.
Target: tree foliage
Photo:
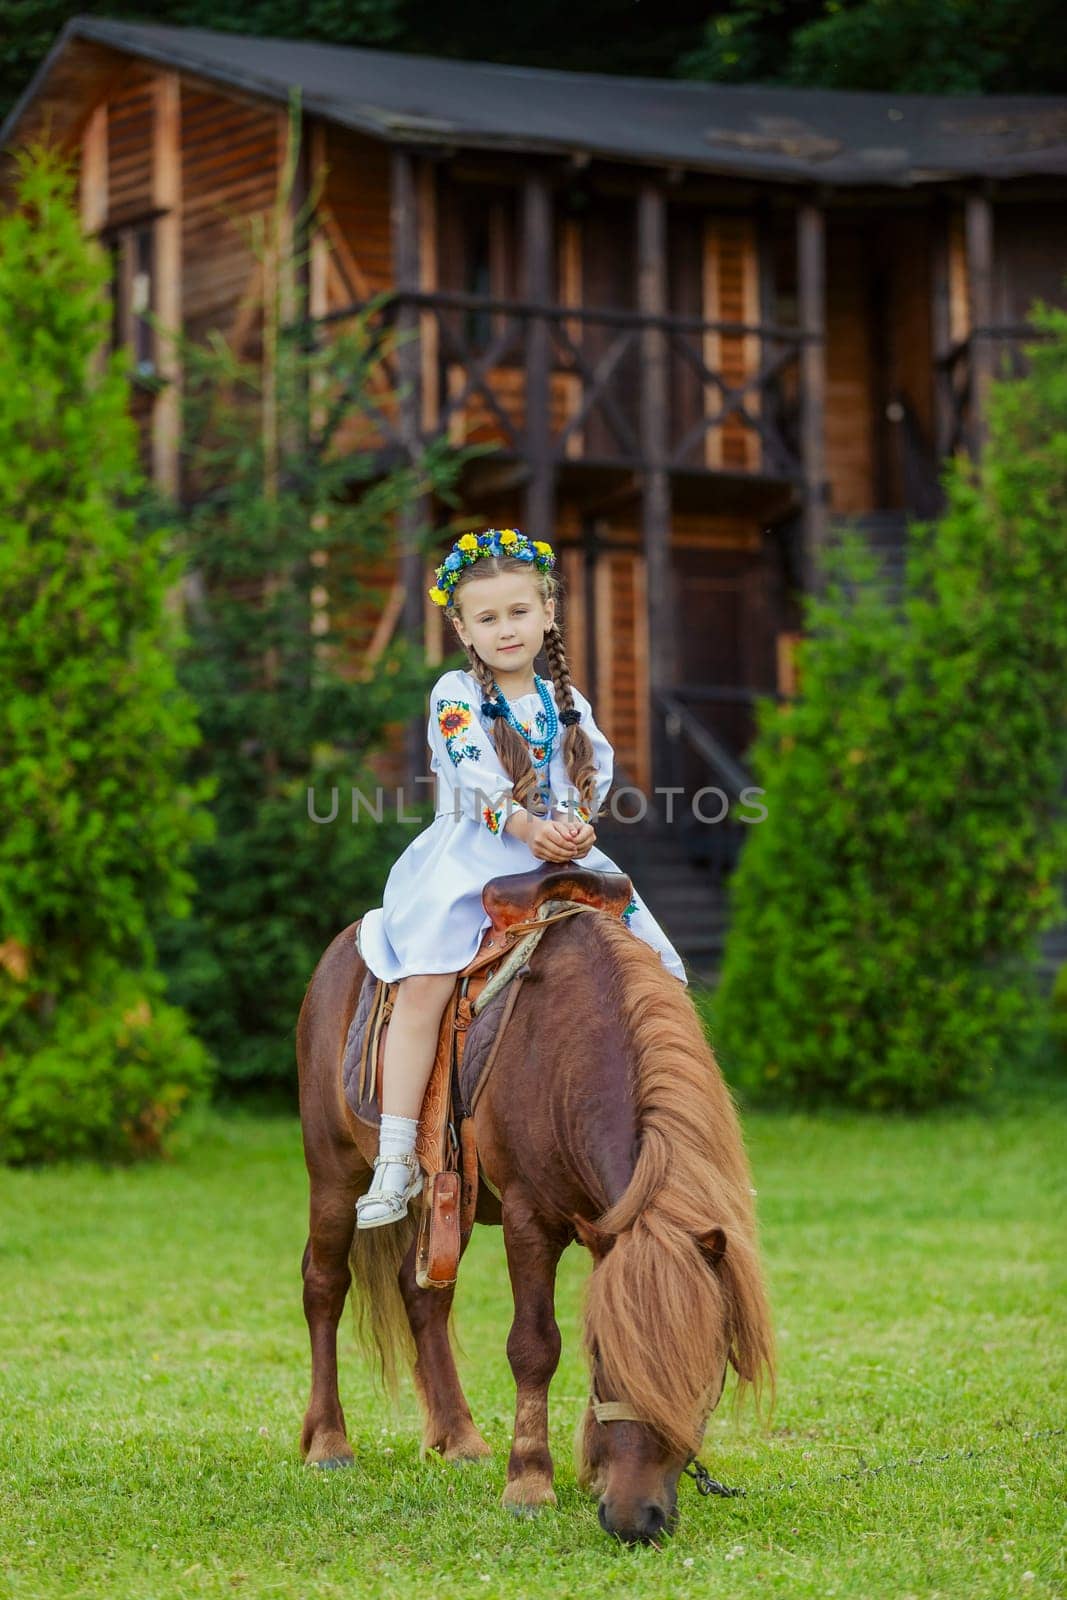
column 96, row 824
column 289, row 526
column 903, row 46
column 885, row 914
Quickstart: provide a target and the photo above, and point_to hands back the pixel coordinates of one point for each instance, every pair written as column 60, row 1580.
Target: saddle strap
column 381, row 1011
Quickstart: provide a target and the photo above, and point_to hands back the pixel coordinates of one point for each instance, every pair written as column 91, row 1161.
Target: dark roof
column 799, row 135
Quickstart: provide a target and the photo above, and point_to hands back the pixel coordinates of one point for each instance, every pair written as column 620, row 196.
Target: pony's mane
column 661, row 1315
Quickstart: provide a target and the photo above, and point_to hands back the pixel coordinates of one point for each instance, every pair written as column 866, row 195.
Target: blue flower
column 525, row 554
column 453, row 561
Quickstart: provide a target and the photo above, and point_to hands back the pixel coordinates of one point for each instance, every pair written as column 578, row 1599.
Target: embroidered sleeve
column 482, row 789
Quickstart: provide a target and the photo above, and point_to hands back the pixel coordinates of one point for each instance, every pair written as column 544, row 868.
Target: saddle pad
column 364, row 1048
column 361, row 1072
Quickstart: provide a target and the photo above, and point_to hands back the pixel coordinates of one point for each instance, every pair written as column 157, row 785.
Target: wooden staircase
column 886, row 532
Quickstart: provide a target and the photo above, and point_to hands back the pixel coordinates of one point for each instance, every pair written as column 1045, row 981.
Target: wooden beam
column 655, row 481
column 978, row 226
column 415, row 513
column 537, row 249
column 811, row 306
column 167, row 198
column 93, row 182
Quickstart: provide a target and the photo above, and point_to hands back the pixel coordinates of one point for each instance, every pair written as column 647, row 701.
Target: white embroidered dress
column 431, row 918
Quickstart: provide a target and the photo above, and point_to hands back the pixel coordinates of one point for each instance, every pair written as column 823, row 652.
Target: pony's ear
column 712, row 1245
column 595, row 1240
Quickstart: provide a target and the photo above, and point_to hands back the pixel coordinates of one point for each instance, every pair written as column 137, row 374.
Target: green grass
column 154, row 1370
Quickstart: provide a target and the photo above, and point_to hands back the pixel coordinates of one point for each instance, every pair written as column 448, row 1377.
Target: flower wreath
column 493, row 542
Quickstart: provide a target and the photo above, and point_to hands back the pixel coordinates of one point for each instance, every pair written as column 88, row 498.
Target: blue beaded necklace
column 551, row 720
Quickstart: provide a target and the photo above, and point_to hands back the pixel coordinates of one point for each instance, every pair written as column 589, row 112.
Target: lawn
column 154, row 1370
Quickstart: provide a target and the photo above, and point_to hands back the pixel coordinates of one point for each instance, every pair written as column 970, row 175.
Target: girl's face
column 505, row 620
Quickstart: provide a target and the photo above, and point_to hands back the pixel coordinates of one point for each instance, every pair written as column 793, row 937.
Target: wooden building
column 700, row 322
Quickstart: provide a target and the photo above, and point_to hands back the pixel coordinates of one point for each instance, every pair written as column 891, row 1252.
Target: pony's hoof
column 526, row 1497
column 329, row 1448
column 472, row 1448
column 527, row 1513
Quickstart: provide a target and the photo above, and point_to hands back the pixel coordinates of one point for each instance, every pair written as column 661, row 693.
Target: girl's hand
column 584, row 839
column 551, row 840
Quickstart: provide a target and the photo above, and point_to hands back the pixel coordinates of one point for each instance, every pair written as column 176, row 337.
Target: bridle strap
column 612, row 1410
column 619, row 1411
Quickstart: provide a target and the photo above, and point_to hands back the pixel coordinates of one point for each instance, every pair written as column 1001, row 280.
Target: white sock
column 396, row 1138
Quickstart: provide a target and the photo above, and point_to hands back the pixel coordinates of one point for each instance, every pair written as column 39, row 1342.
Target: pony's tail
column 381, row 1321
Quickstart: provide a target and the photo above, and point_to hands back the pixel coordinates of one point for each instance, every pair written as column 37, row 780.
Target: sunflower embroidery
column 491, row 818
column 454, row 719
column 537, row 751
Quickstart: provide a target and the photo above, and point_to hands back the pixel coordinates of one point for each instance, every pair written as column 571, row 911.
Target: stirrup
column 396, row 1204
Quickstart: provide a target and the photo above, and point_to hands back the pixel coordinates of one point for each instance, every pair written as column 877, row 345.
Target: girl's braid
column 577, row 746
column 510, row 747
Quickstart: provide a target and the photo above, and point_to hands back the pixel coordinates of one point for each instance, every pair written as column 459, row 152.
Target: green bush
column 107, row 1080
column 1058, row 1012
column 886, row 913
column 96, row 822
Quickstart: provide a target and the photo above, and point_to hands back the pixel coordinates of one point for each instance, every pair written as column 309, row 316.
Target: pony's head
column 676, row 1291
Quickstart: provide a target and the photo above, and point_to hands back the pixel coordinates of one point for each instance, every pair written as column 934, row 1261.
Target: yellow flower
column 542, row 548
column 468, row 542
column 439, row 597
column 509, row 536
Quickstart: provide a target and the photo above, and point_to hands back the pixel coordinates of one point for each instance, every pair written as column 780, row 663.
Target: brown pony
column 605, row 1118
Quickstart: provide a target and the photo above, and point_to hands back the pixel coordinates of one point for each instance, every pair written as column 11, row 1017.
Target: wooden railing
column 959, row 424
column 566, row 382
column 696, row 759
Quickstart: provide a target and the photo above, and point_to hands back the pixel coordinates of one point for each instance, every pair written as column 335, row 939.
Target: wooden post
column 167, row 197
column 978, row 224
column 940, row 327
column 414, row 515
column 93, row 195
column 811, row 305
column 655, row 479
column 537, row 287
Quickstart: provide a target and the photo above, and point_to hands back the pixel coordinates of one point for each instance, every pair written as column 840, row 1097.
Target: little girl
column 521, row 769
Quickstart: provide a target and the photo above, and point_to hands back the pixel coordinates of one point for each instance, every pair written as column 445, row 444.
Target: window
column 132, row 250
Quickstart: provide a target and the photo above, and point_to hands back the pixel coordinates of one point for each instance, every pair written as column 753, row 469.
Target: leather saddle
column 520, row 906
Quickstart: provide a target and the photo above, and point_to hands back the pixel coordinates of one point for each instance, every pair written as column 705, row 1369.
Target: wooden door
column 728, row 600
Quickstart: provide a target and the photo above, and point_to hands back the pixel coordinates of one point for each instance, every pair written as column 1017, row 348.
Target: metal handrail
column 680, row 722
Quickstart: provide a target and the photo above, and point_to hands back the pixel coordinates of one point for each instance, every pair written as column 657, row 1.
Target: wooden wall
column 354, row 210
column 230, row 155
column 130, row 121
column 1030, row 258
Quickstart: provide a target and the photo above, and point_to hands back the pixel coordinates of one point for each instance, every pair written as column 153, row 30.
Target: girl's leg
column 410, row 1046
column 411, row 1040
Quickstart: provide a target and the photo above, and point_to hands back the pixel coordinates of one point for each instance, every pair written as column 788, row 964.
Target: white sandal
column 394, row 1204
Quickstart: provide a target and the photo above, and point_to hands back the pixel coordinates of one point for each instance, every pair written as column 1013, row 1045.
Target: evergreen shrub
column 885, row 915
column 96, row 821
